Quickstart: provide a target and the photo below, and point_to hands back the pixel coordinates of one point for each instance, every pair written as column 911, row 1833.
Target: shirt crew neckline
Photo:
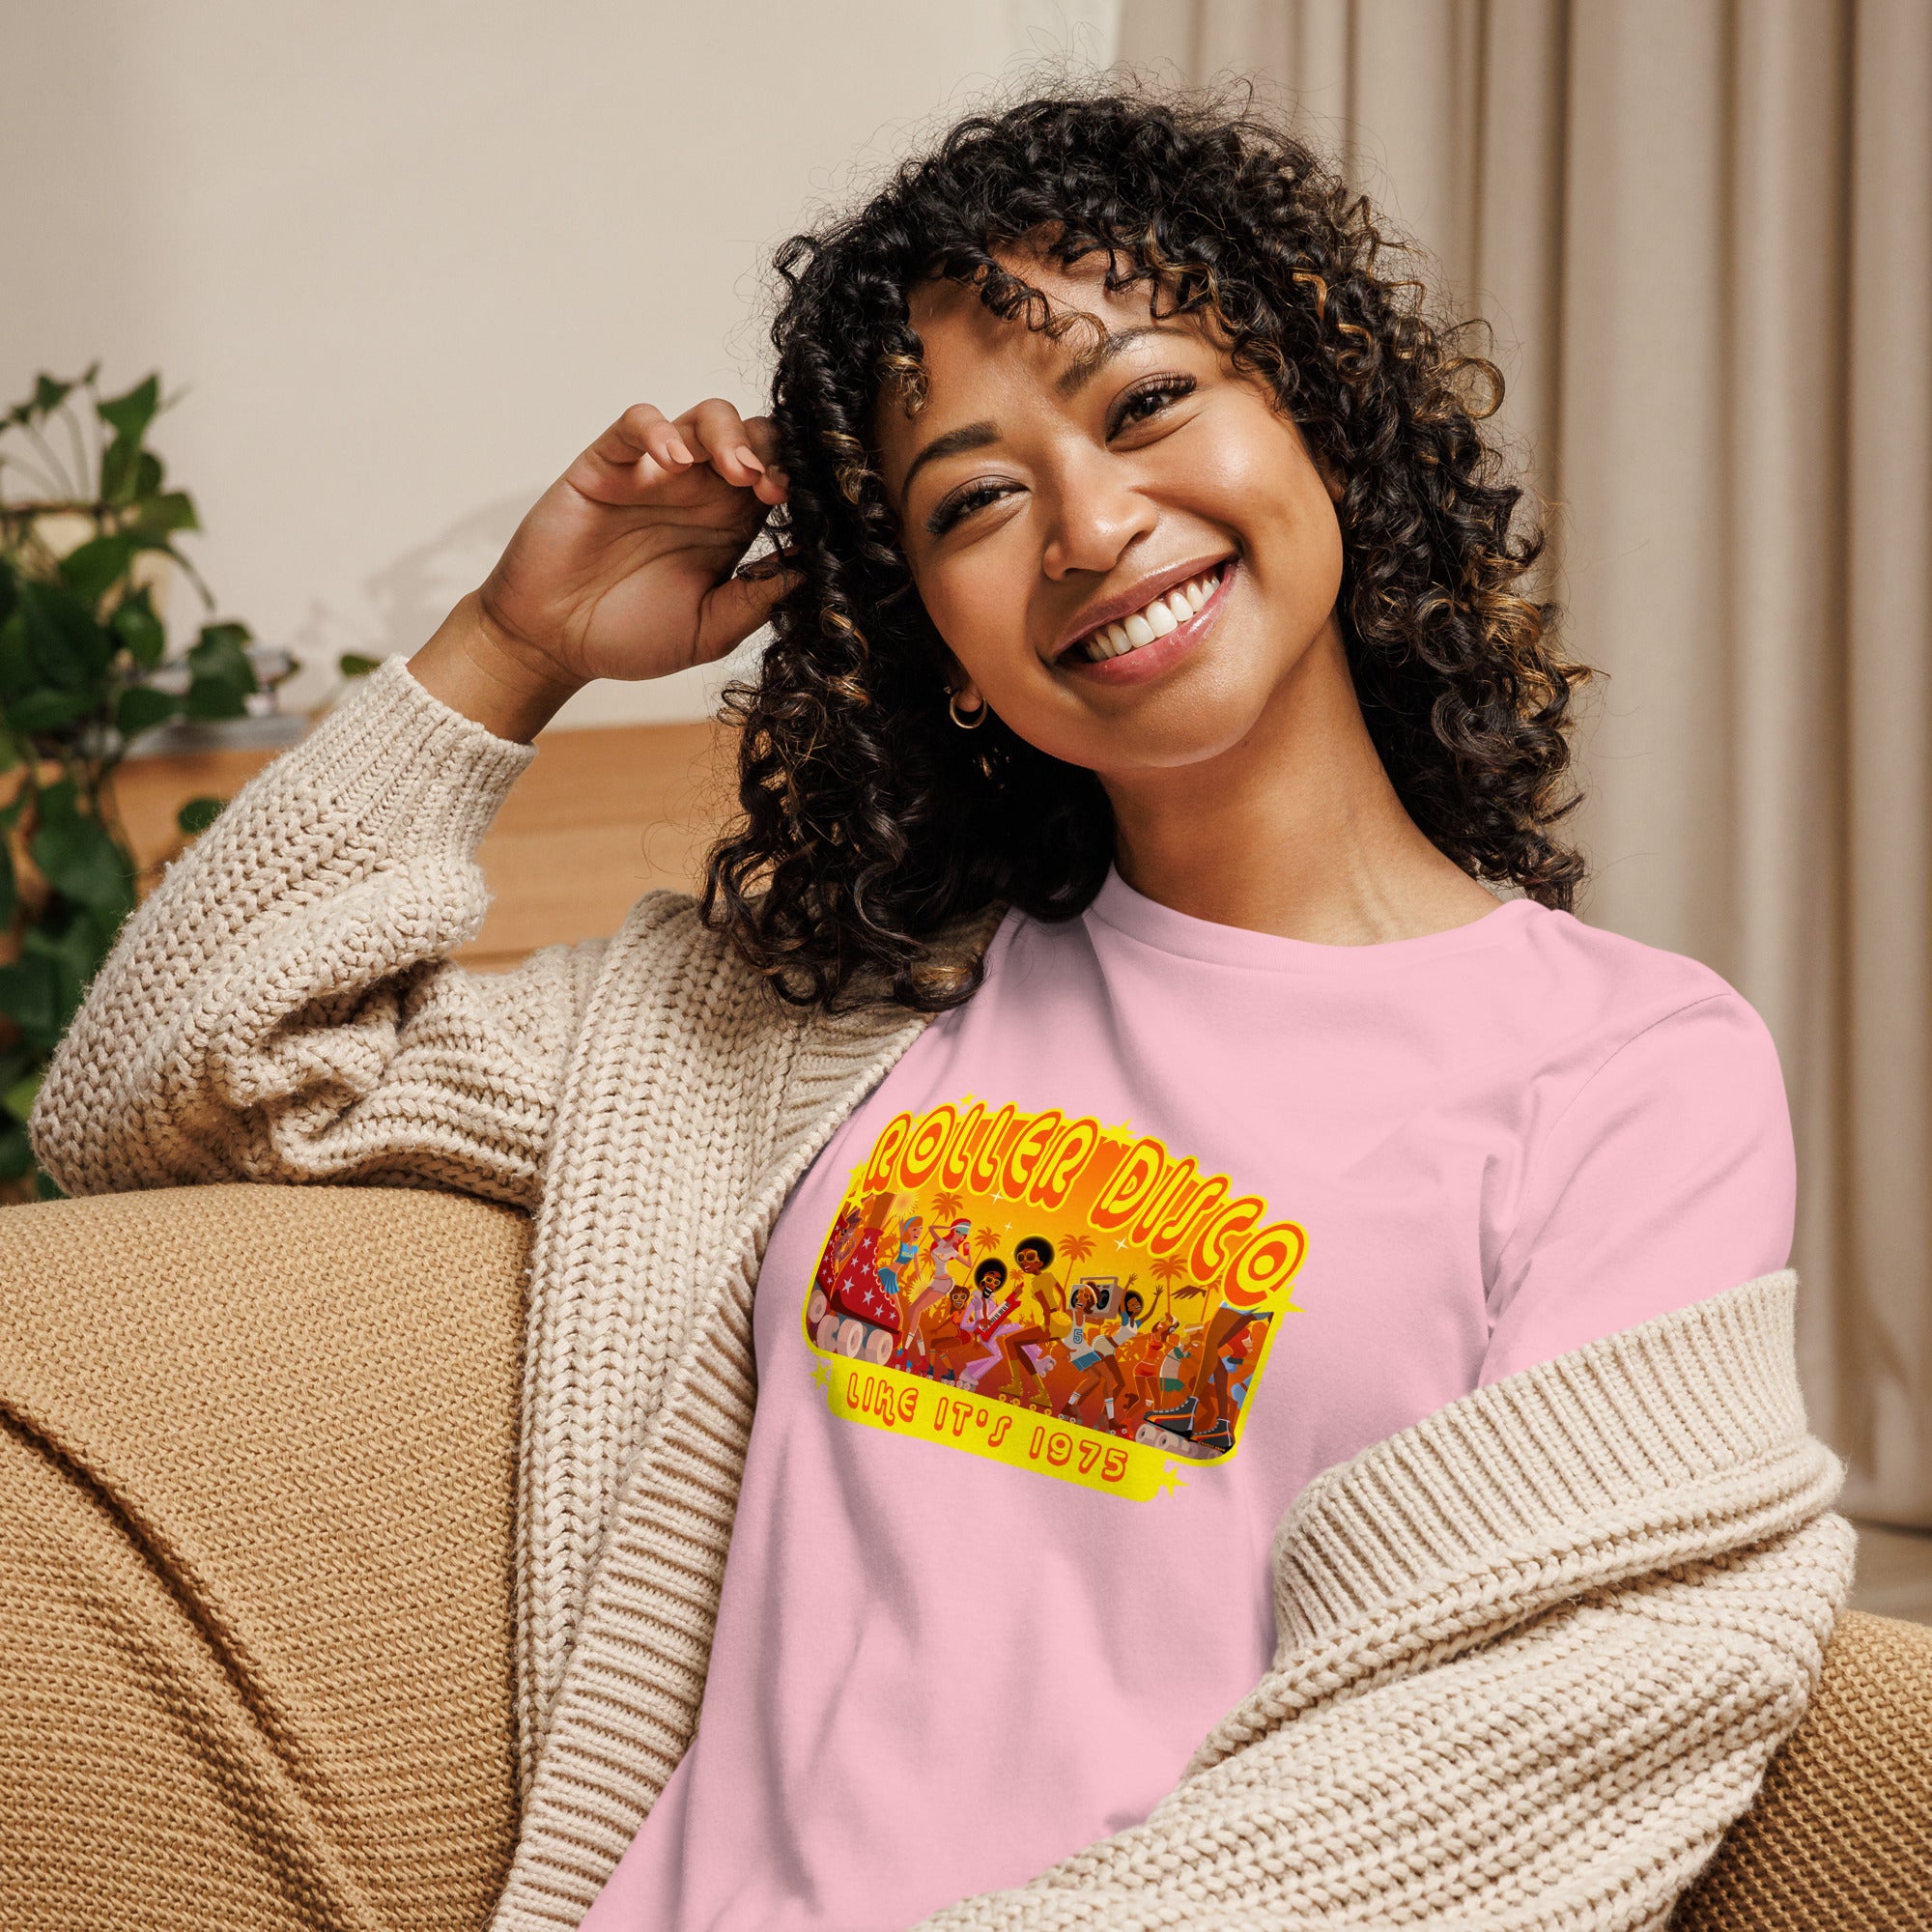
column 1203, row 941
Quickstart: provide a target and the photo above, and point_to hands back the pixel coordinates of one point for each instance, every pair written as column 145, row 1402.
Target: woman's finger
column 763, row 433
column 631, row 436
column 667, row 449
column 637, row 451
column 644, row 447
column 726, row 443
column 735, row 607
column 771, row 563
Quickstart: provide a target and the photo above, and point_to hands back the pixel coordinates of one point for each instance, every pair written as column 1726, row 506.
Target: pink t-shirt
column 1001, row 1557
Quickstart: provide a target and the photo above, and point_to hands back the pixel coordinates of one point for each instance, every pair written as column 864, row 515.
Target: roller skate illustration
column 1186, row 1431
column 1200, row 1425
column 850, row 1313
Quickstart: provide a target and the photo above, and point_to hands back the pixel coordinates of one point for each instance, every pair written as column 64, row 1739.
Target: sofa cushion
column 256, row 1501
column 1841, row 1834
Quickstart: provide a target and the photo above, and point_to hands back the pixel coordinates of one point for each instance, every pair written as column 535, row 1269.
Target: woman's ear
column 1333, row 480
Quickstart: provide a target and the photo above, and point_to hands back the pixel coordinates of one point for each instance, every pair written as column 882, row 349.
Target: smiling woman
column 1146, row 1351
column 1081, row 355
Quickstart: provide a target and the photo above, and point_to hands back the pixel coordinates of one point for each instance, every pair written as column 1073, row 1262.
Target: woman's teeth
column 1167, row 612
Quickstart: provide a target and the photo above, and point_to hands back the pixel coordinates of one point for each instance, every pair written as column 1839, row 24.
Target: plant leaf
column 172, row 511
column 92, row 570
column 48, row 395
column 9, row 895
column 352, row 663
column 79, row 858
column 70, row 946
column 141, row 707
column 198, row 814
column 137, row 626
column 63, row 961
column 216, row 698
column 19, row 1098
column 222, row 651
column 68, row 645
column 45, row 710
column 30, row 997
column 121, row 470
column 131, row 415
column 224, row 676
column 17, row 660
column 16, row 1152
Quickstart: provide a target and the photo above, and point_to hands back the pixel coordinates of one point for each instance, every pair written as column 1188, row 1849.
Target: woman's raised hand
column 625, row 567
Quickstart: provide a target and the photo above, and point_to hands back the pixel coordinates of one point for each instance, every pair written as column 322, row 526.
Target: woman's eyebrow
column 954, row 442
column 1096, row 359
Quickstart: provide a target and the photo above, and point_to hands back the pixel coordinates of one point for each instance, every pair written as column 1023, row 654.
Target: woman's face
column 1047, row 489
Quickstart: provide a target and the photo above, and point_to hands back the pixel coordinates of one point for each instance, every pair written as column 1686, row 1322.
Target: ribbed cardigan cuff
column 1615, row 1429
column 410, row 772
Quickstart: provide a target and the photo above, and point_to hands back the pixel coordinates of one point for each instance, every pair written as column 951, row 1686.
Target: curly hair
column 870, row 824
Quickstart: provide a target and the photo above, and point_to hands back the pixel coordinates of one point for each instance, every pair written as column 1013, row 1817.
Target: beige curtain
column 1703, row 232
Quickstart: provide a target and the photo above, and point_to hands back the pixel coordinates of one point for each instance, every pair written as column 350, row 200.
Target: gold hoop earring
column 971, row 722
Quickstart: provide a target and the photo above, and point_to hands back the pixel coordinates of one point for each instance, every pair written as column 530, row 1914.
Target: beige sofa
column 256, row 1468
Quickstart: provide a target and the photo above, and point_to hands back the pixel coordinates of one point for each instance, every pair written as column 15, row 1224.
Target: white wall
column 406, row 256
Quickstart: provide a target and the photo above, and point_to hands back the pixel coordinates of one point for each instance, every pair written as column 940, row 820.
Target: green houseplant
column 88, row 530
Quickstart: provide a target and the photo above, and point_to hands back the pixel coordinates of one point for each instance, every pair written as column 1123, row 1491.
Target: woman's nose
column 1095, row 512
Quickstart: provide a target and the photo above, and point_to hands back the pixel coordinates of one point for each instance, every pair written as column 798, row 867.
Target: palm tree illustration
column 947, row 1208
column 1077, row 1247
column 1167, row 1270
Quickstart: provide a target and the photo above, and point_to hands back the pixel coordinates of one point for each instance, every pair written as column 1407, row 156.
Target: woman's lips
column 1150, row 660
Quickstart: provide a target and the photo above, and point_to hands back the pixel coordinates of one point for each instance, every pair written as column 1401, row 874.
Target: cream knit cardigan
column 1534, row 1653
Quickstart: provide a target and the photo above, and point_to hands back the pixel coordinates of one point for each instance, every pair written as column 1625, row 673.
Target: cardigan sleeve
column 1626, row 1577
column 282, row 1006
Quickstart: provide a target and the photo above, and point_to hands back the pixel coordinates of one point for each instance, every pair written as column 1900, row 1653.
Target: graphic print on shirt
column 1048, row 1293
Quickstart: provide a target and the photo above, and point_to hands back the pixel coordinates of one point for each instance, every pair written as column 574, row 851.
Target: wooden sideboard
column 602, row 816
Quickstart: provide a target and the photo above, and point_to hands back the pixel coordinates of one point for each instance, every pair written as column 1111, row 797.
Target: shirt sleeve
column 1668, row 1179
